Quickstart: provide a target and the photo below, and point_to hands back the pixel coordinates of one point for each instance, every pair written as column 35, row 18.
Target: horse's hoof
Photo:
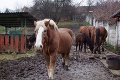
column 50, row 78
column 66, row 67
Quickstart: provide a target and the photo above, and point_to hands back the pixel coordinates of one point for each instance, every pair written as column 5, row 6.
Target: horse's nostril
column 40, row 46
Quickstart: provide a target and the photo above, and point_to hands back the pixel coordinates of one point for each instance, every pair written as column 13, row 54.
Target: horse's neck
column 52, row 35
column 50, row 41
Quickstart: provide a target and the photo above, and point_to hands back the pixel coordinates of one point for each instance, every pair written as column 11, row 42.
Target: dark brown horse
column 82, row 39
column 30, row 41
column 79, row 41
column 52, row 41
column 99, row 35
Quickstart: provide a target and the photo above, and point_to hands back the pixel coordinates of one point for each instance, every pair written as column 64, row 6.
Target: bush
column 84, row 23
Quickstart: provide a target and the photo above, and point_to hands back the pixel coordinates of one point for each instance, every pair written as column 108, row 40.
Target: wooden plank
column 11, row 43
column 1, row 43
column 6, row 43
column 16, row 43
column 22, row 44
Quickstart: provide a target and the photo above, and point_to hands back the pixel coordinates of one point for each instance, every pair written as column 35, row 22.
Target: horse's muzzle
column 38, row 48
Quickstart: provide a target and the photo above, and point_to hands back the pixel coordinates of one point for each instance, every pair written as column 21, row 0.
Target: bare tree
column 104, row 9
column 55, row 9
column 25, row 9
column 7, row 10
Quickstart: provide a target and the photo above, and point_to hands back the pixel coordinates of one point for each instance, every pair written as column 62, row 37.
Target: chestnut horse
column 83, row 39
column 52, row 41
column 87, row 30
column 99, row 35
column 68, row 30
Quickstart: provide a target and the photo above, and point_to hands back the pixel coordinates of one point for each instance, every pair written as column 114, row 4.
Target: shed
column 15, row 43
column 16, row 19
column 116, row 14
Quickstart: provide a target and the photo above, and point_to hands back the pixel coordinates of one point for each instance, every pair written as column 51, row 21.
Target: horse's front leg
column 95, row 49
column 81, row 46
column 102, row 46
column 52, row 65
column 76, row 45
column 47, row 58
column 85, row 47
column 66, row 61
column 99, row 49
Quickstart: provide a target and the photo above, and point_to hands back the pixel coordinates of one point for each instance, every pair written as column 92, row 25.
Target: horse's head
column 30, row 41
column 41, row 31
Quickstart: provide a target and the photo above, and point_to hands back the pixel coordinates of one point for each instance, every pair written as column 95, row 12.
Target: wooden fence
column 12, row 43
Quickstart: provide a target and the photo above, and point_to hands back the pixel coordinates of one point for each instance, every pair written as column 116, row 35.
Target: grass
column 84, row 23
column 2, row 29
column 6, row 56
column 113, row 49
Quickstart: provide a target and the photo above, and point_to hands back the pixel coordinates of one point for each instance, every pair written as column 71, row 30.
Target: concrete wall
column 118, row 33
column 113, row 32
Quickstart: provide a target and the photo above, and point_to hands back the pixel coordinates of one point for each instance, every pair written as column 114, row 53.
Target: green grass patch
column 84, row 23
column 113, row 49
column 6, row 56
column 67, row 24
column 110, row 46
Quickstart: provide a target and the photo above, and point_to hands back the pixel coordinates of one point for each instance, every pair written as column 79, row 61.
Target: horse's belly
column 65, row 42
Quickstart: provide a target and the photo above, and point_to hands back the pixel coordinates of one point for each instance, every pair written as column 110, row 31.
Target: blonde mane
column 42, row 23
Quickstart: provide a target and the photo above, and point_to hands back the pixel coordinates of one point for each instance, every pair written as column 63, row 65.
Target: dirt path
column 34, row 68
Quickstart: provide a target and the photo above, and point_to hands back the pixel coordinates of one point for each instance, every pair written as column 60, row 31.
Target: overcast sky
column 11, row 4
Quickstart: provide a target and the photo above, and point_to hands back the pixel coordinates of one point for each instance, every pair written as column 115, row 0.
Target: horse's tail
column 106, row 33
column 97, row 35
column 71, row 33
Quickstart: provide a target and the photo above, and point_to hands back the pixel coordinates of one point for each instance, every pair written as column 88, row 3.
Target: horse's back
column 66, row 40
column 87, row 30
column 68, row 30
column 82, row 29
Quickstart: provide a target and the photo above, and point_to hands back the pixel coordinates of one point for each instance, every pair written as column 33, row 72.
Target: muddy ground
column 34, row 68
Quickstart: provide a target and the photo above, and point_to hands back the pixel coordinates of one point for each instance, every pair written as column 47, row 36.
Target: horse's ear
column 47, row 23
column 35, row 23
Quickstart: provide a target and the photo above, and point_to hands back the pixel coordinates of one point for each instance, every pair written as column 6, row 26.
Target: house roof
column 17, row 19
column 116, row 14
